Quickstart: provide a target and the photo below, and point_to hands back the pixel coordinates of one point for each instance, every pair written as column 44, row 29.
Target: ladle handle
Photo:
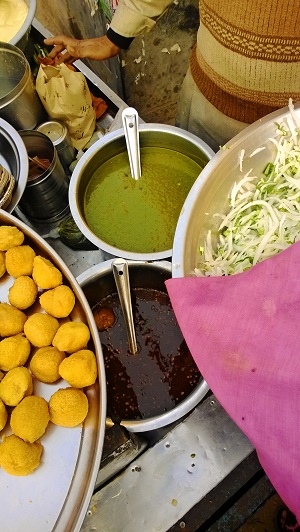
column 130, row 119
column 121, row 275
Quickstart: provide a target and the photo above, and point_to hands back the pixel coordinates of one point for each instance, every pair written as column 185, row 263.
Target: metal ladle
column 130, row 119
column 121, row 275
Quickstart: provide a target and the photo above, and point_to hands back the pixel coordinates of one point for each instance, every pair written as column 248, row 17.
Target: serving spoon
column 121, row 275
column 130, row 120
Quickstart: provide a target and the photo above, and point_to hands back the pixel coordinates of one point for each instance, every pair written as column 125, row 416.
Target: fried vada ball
column 3, row 415
column 22, row 294
column 14, row 352
column 12, row 320
column 15, row 385
column 45, row 363
column 59, row 302
column 2, row 263
column 40, row 329
column 104, row 318
column 18, row 457
column 68, row 407
column 45, row 274
column 10, row 237
column 30, row 418
column 71, row 336
column 79, row 369
column 19, row 260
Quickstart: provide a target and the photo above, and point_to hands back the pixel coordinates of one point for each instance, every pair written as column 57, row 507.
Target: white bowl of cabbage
column 245, row 205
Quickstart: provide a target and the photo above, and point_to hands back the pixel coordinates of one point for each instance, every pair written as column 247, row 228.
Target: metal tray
column 56, row 495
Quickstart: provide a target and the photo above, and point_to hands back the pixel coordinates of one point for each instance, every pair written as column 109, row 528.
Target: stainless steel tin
column 46, row 196
column 157, row 135
column 58, row 134
column 13, row 157
column 97, row 283
column 19, row 101
column 209, row 194
column 56, row 495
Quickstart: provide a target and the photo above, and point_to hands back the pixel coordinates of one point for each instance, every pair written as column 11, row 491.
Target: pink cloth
column 244, row 334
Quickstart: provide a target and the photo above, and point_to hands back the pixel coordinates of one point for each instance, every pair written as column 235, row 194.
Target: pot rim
column 189, row 402
column 84, row 160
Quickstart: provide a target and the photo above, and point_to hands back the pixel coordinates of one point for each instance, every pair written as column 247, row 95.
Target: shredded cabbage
column 264, row 215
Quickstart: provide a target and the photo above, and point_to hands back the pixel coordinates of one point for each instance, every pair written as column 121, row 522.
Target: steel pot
column 97, row 283
column 21, row 37
column 154, row 135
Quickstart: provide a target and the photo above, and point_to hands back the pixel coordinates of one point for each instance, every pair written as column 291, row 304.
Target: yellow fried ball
column 19, row 260
column 79, row 369
column 2, row 263
column 3, row 415
column 68, row 407
column 18, row 457
column 12, row 320
column 59, row 302
column 71, row 336
column 10, row 237
column 14, row 352
column 45, row 363
column 22, row 294
column 45, row 274
column 15, row 385
column 40, row 329
column 30, row 418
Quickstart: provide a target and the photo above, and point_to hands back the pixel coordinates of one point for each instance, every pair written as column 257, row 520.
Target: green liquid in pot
column 139, row 215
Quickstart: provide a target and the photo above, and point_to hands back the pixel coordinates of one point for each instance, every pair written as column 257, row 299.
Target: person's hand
column 99, row 48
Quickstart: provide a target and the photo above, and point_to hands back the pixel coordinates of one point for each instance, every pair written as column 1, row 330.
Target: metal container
column 13, row 157
column 56, row 496
column 154, row 135
column 21, row 38
column 19, row 101
column 209, row 194
column 45, row 197
column 97, row 283
column 58, row 134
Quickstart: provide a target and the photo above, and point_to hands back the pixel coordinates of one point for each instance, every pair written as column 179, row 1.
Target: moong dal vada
column 19, row 260
column 22, row 294
column 45, row 274
column 12, row 320
column 45, row 362
column 68, row 407
column 30, row 418
column 15, row 385
column 72, row 336
column 14, row 352
column 79, row 369
column 59, row 302
column 18, row 457
column 10, row 237
column 40, row 329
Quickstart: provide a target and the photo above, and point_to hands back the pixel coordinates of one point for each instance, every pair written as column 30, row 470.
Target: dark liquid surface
column 161, row 374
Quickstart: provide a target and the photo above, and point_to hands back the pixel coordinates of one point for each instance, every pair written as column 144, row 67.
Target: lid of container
column 56, row 131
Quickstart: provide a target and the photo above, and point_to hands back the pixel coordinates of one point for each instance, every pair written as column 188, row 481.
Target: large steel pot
column 97, row 283
column 154, row 135
column 21, row 37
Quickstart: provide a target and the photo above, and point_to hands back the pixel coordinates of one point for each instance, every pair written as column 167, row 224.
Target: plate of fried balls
column 52, row 393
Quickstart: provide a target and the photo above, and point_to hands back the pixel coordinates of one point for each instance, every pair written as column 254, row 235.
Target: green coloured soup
column 139, row 215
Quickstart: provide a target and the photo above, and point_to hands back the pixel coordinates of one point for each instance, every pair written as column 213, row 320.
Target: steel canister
column 45, row 197
column 58, row 134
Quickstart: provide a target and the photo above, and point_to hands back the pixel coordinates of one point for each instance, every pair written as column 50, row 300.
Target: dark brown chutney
column 161, row 374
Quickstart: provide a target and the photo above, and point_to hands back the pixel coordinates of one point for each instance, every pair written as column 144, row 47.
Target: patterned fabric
column 247, row 58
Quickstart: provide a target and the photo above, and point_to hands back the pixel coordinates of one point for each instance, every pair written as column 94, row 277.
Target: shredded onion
column 264, row 212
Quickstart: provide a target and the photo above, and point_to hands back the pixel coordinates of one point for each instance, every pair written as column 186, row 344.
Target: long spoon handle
column 130, row 119
column 121, row 275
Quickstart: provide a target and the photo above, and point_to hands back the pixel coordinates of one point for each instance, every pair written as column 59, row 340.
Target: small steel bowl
column 97, row 283
column 154, row 135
